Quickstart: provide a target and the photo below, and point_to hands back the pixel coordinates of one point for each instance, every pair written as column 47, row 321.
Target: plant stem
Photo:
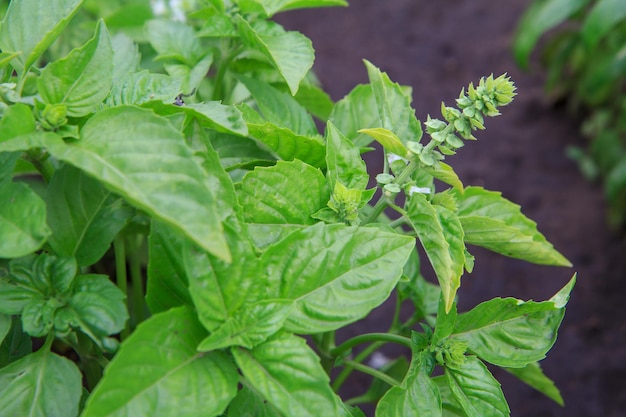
column 136, row 280
column 325, row 348
column 370, row 337
column 373, row 372
column 41, row 163
column 119, row 248
column 218, row 82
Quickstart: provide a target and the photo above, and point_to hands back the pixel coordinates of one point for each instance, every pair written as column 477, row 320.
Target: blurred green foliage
column 582, row 46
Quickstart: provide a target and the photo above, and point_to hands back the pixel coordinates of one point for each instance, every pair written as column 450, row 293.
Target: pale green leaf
column 388, row 139
column 191, row 76
column 602, row 18
column 288, row 374
column 7, row 165
column 445, row 173
column 509, row 332
column 491, row 221
column 239, row 152
column 23, row 224
column 5, row 326
column 41, row 384
column 425, row 221
column 167, row 281
column 354, row 112
column 126, row 57
column 141, row 157
column 30, row 26
column 265, row 235
column 158, row 372
column 533, row 375
column 81, row 80
column 84, row 217
column 477, row 392
column 343, row 161
column 336, row 274
column 540, row 17
column 272, row 7
column 248, row 403
column 17, row 120
column 249, row 326
column 142, row 87
column 394, row 106
column 290, row 52
column 174, row 40
column 288, row 192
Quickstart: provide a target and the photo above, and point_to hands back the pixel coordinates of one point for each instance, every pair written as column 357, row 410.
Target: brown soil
column 438, row 47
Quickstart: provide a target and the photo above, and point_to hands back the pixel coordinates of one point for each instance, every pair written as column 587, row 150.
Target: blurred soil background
column 437, row 48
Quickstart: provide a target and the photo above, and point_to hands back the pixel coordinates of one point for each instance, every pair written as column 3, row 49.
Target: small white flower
column 422, row 190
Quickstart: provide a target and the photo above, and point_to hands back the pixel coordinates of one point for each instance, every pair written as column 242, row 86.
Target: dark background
column 437, row 47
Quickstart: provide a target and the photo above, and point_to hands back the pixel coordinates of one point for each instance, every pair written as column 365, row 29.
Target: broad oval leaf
column 541, row 16
column 291, row 53
column 142, row 87
column 41, row 384
column 249, row 326
column 288, row 374
column 343, row 161
column 174, row 41
column 23, row 224
column 533, row 375
column 335, row 274
column 83, row 215
column 477, row 392
column 288, row 145
column 286, row 193
column 82, row 79
column 493, row 222
column 30, row 26
column 143, row 158
column 388, row 139
column 509, row 332
column 158, row 372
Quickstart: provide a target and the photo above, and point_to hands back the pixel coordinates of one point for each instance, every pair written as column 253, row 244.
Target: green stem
column 119, row 249
column 373, row 372
column 218, row 81
column 368, row 338
column 136, row 280
column 326, row 347
column 49, row 340
column 41, row 162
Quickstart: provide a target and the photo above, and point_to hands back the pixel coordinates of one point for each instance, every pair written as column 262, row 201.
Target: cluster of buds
column 450, row 352
column 473, row 106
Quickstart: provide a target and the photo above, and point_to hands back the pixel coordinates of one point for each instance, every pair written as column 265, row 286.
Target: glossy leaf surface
column 81, row 80
column 491, row 221
column 287, row 373
column 158, row 361
column 30, row 26
column 343, row 161
column 476, row 390
column 83, row 215
column 336, row 274
column 143, row 158
column 41, row 384
column 286, row 193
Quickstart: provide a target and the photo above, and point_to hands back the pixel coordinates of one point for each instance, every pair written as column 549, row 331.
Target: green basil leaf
column 539, row 18
column 91, row 69
column 238, row 152
column 97, row 307
column 388, row 139
column 7, row 165
column 22, row 220
column 159, row 360
column 126, row 57
column 445, row 173
column 142, row 87
column 394, row 106
column 288, row 374
column 250, row 326
column 354, row 112
column 30, row 26
column 286, row 193
column 291, row 53
column 144, row 159
column 167, row 281
column 478, row 393
column 493, row 222
column 280, row 108
column 272, row 7
column 84, row 217
column 512, row 333
column 424, row 219
column 265, row 235
column 343, row 161
column 417, row 395
column 174, row 40
column 5, row 326
column 191, row 76
column 16, row 344
column 288, row 145
column 532, row 375
column 248, row 403
column 343, row 273
column 41, row 384
column 602, row 18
